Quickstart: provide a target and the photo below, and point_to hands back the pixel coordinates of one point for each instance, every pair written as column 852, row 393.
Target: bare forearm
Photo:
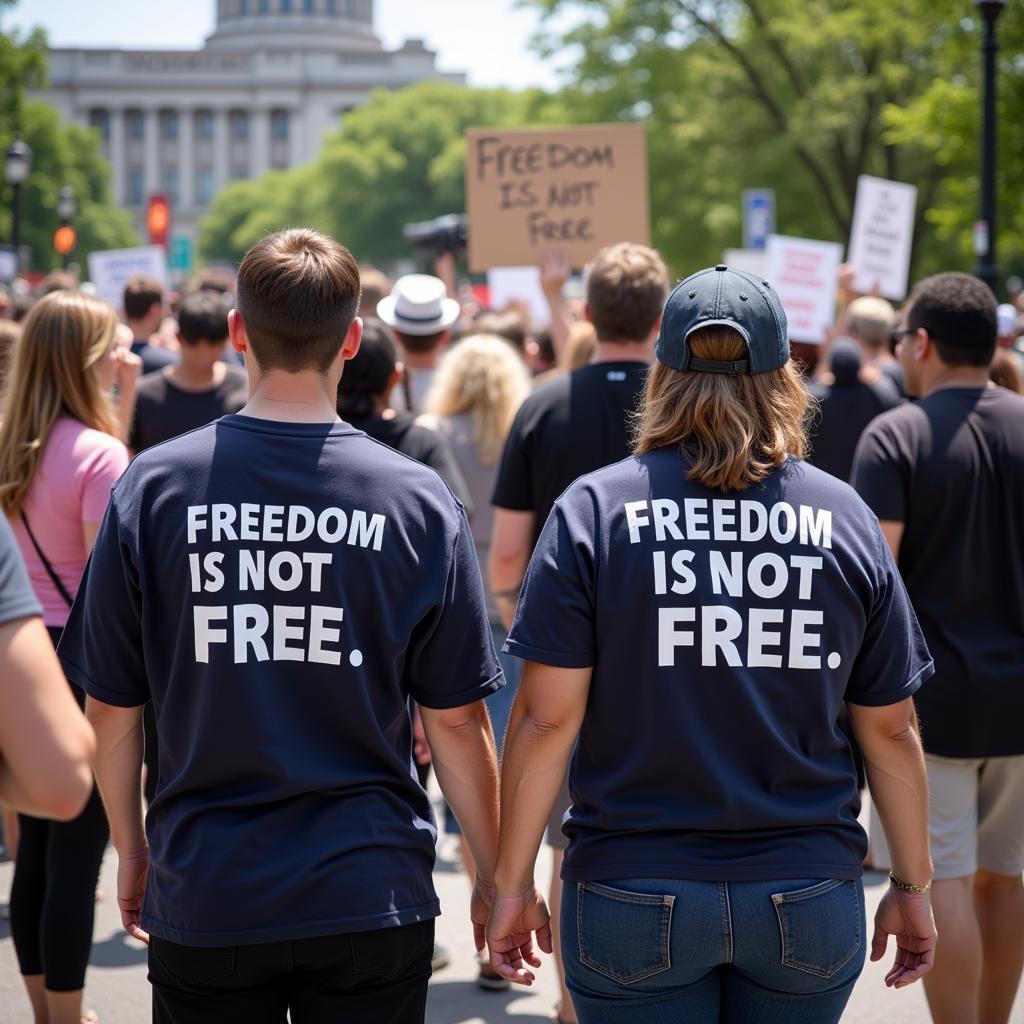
column 536, row 756
column 465, row 762
column 899, row 788
column 119, row 742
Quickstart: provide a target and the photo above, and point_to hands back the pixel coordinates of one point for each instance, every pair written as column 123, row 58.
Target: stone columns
column 221, row 142
column 259, row 143
column 186, row 159
column 117, row 156
column 151, row 154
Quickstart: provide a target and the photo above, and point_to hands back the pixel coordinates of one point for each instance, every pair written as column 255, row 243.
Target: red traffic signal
column 158, row 220
column 64, row 239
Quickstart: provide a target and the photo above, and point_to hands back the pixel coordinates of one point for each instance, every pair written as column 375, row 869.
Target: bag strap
column 54, row 578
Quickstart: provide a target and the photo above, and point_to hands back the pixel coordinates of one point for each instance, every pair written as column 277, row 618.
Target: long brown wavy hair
column 54, row 374
column 734, row 430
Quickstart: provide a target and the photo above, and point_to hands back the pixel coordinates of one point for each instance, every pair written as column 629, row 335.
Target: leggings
column 53, row 896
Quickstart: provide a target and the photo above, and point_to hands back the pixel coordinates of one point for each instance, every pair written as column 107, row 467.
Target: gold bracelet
column 919, row 890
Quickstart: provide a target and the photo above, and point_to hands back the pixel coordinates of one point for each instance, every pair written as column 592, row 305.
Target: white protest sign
column 111, row 270
column 882, row 235
column 805, row 275
column 752, row 261
column 507, row 285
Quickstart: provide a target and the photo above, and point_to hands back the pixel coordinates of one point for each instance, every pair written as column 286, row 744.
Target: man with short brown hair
column 143, row 307
column 572, row 425
column 281, row 586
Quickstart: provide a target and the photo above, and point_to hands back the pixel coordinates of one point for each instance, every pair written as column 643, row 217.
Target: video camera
column 440, row 235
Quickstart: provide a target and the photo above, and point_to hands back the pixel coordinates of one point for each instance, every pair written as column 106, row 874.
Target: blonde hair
column 734, row 430
column 54, row 374
column 871, row 319
column 483, row 375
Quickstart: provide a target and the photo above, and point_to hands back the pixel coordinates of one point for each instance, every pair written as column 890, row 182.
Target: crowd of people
column 650, row 583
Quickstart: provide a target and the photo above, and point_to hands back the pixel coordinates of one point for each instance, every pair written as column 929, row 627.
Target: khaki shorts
column 976, row 815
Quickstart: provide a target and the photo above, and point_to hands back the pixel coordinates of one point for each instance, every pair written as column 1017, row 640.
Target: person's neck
column 421, row 360
column 141, row 329
column 957, row 377
column 197, row 378
column 624, row 352
column 304, row 397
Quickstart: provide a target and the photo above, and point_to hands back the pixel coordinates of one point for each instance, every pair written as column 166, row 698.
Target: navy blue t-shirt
column 725, row 631
column 281, row 591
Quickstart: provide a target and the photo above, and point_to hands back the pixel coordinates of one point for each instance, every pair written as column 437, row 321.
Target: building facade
column 272, row 78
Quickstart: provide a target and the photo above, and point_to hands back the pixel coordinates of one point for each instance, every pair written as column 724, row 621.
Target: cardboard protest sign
column 574, row 189
column 805, row 275
column 882, row 235
column 111, row 270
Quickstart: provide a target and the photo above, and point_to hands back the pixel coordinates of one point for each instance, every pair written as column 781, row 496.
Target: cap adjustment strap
column 719, row 366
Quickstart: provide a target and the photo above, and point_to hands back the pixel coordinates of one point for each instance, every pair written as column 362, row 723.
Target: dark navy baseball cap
column 734, row 299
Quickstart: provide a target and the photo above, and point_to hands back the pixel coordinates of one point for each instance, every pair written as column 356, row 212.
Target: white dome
column 294, row 24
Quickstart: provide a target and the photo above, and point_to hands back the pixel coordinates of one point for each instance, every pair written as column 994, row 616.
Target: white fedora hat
column 419, row 305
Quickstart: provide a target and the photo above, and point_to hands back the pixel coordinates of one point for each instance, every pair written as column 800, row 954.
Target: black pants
column 53, row 896
column 377, row 977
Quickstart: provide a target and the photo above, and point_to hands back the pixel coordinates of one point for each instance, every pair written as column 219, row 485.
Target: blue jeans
column 664, row 951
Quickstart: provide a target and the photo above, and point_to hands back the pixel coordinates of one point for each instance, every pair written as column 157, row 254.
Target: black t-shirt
column 569, row 426
column 845, row 408
column 951, row 467
column 153, row 358
column 725, row 632
column 280, row 591
column 163, row 410
column 402, row 433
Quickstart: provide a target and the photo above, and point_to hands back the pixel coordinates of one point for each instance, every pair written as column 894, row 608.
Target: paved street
column 118, row 992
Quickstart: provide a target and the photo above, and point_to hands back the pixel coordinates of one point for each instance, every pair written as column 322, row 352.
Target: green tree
column 397, row 160
column 799, row 95
column 62, row 154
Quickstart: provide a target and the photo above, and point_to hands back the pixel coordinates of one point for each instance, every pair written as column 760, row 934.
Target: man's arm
column 546, row 718
column 511, row 543
column 119, row 745
column 465, row 761
column 893, row 533
column 46, row 746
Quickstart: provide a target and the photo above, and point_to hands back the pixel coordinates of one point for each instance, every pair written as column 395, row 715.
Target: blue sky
column 486, row 38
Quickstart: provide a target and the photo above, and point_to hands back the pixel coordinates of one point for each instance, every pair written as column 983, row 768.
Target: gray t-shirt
column 415, row 385
column 480, row 480
column 16, row 597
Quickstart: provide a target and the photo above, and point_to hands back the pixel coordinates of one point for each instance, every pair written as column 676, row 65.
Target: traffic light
column 158, row 220
column 64, row 239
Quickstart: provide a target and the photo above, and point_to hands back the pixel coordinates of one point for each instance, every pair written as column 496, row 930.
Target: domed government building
column 272, row 78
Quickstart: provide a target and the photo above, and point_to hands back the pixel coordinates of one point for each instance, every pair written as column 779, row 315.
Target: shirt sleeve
column 17, row 599
column 451, row 655
column 513, row 487
column 101, row 646
column 893, row 660
column 880, row 473
column 554, row 623
column 99, row 474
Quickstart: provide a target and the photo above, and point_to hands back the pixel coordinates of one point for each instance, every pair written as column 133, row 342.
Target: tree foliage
column 396, row 160
column 62, row 154
column 802, row 96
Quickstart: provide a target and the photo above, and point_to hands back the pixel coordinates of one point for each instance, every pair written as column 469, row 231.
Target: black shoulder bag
column 54, row 578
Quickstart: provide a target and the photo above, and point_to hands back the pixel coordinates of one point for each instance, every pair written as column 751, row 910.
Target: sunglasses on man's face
column 897, row 334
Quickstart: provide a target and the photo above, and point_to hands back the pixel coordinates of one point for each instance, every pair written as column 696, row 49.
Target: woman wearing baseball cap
column 696, row 622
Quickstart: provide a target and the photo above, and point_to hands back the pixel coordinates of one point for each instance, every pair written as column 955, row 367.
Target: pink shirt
column 71, row 487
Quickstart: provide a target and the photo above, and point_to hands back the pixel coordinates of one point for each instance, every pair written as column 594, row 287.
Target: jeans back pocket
column 623, row 935
column 820, row 926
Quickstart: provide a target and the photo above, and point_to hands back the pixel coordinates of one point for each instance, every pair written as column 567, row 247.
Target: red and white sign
column 805, row 273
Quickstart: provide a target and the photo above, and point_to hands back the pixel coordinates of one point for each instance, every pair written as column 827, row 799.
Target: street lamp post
column 17, row 164
column 985, row 240
column 66, row 209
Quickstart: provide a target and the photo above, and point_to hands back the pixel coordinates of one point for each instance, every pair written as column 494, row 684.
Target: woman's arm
column 545, row 721
column 894, row 759
column 46, row 745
